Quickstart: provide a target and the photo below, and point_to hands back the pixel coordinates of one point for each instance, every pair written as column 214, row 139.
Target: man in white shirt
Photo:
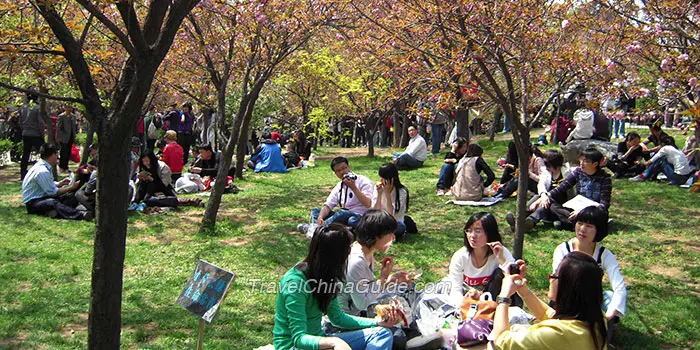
column 43, row 196
column 669, row 160
column 353, row 194
column 416, row 153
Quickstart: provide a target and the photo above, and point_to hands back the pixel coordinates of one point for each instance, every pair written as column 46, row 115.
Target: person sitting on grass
column 309, row 290
column 469, row 185
column 630, row 163
column 87, row 196
column 447, row 172
column 584, row 118
column 535, row 168
column 207, row 164
column 574, row 323
column 173, row 155
column 509, row 163
column 154, row 186
column 479, row 263
column 267, row 157
column 42, row 196
column 669, row 160
column 550, row 179
column 353, row 194
column 415, row 154
column 591, row 228
column 391, row 195
column 375, row 232
column 589, row 180
column 655, row 138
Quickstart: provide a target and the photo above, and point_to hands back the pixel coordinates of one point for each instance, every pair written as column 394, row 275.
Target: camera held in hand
column 351, row 176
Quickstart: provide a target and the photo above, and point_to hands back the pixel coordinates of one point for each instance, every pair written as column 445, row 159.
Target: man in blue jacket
column 267, row 156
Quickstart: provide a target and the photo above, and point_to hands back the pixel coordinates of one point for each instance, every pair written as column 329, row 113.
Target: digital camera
column 351, row 176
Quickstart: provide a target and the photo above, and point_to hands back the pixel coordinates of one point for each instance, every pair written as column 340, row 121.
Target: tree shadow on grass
column 620, row 226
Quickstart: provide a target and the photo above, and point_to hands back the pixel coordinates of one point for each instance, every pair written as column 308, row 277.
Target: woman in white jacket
column 591, row 228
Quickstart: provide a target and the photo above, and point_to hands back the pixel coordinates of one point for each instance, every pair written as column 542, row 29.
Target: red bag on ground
column 74, row 154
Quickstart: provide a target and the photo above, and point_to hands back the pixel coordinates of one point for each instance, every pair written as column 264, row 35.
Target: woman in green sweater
column 309, row 290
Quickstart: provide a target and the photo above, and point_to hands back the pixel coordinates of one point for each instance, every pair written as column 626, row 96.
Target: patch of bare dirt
column 236, row 241
column 71, row 329
column 14, row 341
column 23, row 287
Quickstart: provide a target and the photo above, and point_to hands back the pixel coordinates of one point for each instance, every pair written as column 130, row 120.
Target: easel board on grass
column 204, row 293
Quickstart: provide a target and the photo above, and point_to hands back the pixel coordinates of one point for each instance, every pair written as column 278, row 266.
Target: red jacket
column 172, row 156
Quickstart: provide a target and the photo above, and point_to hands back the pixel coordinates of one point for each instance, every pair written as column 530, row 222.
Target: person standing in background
column 66, row 130
column 33, row 127
column 185, row 136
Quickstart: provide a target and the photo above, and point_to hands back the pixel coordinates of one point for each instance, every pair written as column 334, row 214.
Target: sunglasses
column 553, row 277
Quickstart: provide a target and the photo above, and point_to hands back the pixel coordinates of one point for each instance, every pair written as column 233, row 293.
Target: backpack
column 152, row 131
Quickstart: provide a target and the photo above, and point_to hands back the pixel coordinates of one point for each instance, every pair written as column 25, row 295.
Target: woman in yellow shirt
column 576, row 322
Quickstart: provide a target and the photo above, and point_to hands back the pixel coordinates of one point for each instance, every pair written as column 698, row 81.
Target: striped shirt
column 39, row 182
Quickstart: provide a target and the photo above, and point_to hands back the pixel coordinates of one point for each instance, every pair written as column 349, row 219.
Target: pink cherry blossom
column 683, row 57
column 565, row 24
column 692, row 81
column 666, row 64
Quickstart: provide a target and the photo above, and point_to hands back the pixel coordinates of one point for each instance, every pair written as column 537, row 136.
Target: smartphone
column 514, row 269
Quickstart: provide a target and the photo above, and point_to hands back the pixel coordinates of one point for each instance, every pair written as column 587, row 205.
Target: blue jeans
column 342, row 216
column 619, row 125
column 400, row 229
column 506, row 123
column 447, row 176
column 662, row 165
column 436, row 137
column 406, row 162
column 377, row 338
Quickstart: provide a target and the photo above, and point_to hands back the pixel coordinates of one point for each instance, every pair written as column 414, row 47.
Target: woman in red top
column 172, row 154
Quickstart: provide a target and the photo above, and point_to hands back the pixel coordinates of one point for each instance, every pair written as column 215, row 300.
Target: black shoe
column 510, row 218
column 529, row 224
column 558, row 225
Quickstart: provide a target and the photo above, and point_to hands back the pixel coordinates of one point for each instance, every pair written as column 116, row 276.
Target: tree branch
column 41, row 94
column 123, row 38
column 131, row 21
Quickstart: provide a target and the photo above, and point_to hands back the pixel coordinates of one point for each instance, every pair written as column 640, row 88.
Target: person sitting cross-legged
column 416, row 153
column 353, row 194
column 155, row 183
column 669, row 160
column 41, row 195
column 590, row 181
column 447, row 172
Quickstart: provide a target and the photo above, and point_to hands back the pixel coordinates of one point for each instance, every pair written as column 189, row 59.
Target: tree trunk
column 494, row 126
column 462, row 120
column 86, row 147
column 104, row 324
column 243, row 143
column 369, row 134
column 247, row 102
column 521, row 137
column 404, row 130
column 397, row 119
column 220, row 118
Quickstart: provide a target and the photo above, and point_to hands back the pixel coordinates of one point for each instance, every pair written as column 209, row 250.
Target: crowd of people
column 361, row 217
column 578, row 314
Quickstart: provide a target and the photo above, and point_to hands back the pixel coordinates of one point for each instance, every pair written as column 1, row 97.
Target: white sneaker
column 440, row 192
column 302, row 228
column 310, row 229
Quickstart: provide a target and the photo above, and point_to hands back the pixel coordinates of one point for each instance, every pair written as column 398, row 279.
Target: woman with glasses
column 575, row 322
column 591, row 228
column 309, row 290
column 480, row 262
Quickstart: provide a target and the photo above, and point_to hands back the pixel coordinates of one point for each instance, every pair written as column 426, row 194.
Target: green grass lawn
column 46, row 264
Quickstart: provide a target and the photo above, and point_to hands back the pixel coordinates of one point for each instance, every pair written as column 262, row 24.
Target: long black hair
column 154, row 168
column 580, row 294
column 326, row 262
column 512, row 154
column 490, row 226
column 390, row 172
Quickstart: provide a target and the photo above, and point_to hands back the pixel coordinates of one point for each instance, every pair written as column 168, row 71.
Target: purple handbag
column 474, row 330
